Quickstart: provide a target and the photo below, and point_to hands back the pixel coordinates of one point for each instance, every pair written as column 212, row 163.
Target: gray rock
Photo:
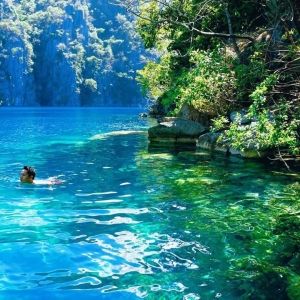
column 188, row 112
column 240, row 115
column 176, row 130
column 216, row 142
column 210, row 141
column 16, row 75
column 251, row 152
column 166, row 119
column 243, row 118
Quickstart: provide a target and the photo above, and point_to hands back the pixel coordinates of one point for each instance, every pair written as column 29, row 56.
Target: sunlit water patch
column 132, row 221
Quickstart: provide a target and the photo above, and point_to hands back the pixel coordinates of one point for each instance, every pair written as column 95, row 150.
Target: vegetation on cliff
column 220, row 56
column 68, row 53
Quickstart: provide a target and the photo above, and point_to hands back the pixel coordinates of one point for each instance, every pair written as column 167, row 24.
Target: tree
column 253, row 47
column 191, row 16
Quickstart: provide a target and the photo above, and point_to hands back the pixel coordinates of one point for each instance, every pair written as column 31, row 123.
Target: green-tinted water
column 242, row 220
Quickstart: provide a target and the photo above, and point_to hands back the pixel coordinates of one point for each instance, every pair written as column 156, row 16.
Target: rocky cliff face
column 60, row 59
column 68, row 54
column 16, row 77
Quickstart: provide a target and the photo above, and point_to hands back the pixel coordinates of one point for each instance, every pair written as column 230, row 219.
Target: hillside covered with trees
column 68, row 53
column 219, row 57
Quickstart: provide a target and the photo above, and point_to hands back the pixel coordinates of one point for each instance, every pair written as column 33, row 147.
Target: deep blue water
column 129, row 221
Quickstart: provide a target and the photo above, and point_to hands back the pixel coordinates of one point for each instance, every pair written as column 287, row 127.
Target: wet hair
column 30, row 171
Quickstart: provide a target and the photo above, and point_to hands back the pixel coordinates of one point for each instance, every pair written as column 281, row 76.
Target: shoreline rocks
column 213, row 141
column 176, row 130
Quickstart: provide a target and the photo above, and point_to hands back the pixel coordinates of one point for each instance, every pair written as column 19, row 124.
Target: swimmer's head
column 27, row 174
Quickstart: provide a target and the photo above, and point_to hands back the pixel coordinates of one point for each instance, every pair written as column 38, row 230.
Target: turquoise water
column 133, row 221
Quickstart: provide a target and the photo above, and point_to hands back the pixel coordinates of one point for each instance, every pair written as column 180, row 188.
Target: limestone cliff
column 68, row 53
column 16, row 77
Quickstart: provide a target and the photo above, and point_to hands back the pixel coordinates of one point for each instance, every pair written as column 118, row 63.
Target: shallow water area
column 132, row 221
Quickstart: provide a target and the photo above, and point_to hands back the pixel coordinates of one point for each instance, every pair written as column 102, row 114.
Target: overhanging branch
column 132, row 6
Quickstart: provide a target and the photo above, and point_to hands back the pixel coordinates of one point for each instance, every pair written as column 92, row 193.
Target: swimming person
column 28, row 175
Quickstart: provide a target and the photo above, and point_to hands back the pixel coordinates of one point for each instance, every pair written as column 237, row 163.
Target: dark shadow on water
column 175, row 149
column 191, row 152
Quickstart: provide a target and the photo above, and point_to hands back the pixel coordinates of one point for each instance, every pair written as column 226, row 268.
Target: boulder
column 215, row 142
column 240, row 116
column 176, row 130
column 157, row 109
column 251, row 149
column 188, row 112
column 210, row 141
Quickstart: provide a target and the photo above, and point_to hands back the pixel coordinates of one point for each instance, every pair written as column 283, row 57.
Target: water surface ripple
column 131, row 221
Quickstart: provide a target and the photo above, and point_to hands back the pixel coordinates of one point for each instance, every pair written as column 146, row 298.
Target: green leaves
column 203, row 66
column 209, row 85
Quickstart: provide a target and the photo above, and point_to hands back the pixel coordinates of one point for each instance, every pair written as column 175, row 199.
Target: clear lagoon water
column 135, row 221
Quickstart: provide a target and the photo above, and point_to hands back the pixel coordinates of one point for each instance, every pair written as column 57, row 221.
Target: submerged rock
column 102, row 136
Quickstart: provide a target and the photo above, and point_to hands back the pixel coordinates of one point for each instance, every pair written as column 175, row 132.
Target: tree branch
column 132, row 6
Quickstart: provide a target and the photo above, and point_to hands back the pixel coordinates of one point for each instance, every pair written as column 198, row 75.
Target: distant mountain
column 68, row 53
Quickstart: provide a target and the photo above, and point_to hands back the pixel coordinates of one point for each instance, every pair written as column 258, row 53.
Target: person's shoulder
column 49, row 181
column 42, row 181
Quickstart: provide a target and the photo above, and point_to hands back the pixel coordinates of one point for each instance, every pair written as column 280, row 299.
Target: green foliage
column 147, row 24
column 156, row 76
column 209, row 85
column 260, row 94
column 271, row 126
column 201, row 69
column 247, row 77
column 91, row 84
column 266, row 132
